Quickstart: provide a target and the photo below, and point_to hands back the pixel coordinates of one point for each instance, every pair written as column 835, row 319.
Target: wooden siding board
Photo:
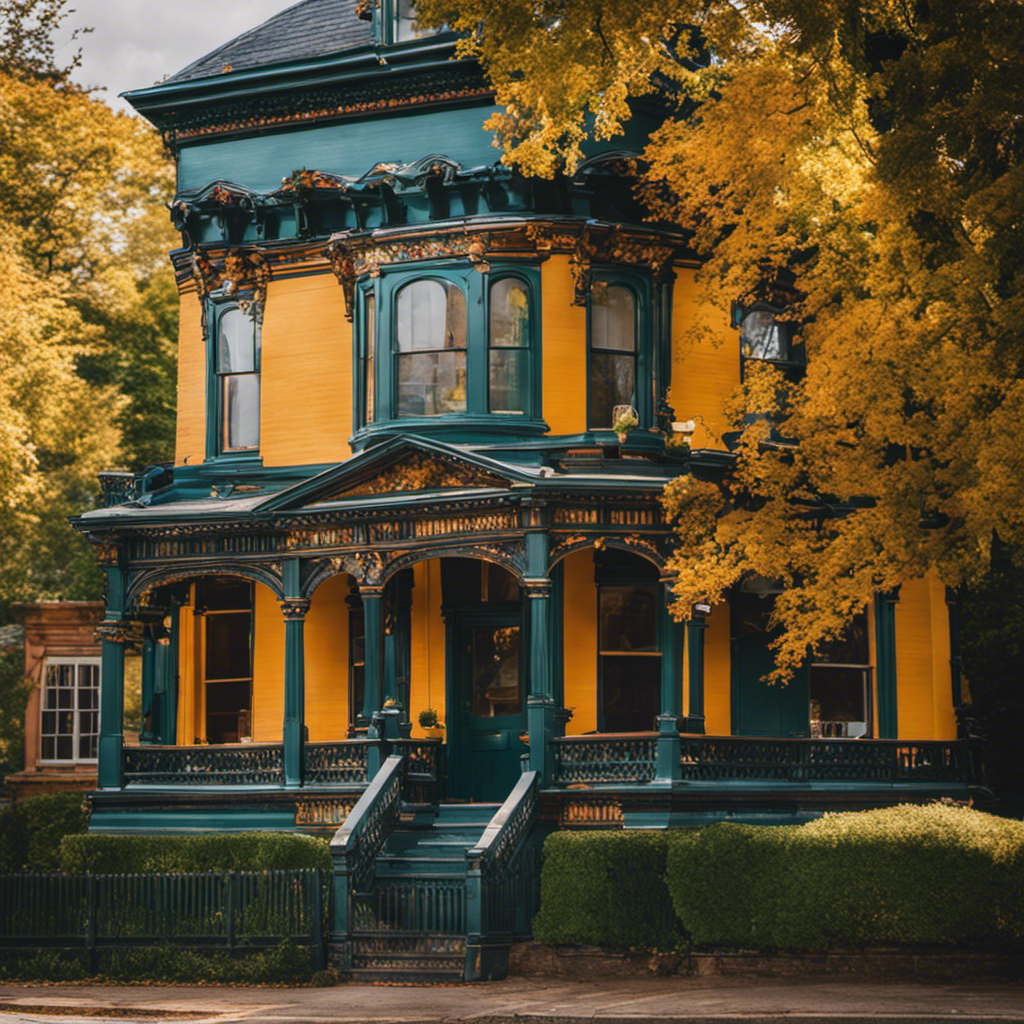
column 326, row 661
column 306, row 373
column 717, row 680
column 914, row 686
column 579, row 618
column 564, row 330
column 268, row 667
column 427, row 665
column 190, row 436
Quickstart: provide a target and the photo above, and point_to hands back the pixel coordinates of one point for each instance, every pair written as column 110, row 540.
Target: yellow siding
column 564, row 333
column 189, row 720
column 579, row 631
column 190, row 441
column 705, row 373
column 873, row 661
column 942, row 681
column 717, row 710
column 326, row 660
column 306, row 373
column 426, row 682
column 268, row 668
column 914, row 686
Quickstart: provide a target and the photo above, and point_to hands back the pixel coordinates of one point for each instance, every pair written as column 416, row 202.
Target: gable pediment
column 401, row 466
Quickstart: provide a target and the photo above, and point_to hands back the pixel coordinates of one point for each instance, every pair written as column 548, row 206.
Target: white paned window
column 70, row 710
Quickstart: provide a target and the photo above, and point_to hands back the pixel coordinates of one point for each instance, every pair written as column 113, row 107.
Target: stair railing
column 357, row 843
column 498, row 877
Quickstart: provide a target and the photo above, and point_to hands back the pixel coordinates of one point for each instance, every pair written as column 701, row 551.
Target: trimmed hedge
column 32, row 829
column 242, row 851
column 909, row 875
column 606, row 889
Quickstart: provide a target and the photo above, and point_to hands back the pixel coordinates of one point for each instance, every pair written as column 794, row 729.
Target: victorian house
column 407, row 573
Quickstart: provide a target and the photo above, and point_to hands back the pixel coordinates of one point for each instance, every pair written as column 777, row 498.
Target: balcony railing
column 623, row 758
column 751, row 759
column 242, row 764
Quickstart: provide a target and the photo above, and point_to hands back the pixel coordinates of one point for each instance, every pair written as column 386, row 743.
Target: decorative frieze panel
column 331, row 811
column 591, row 813
column 418, row 473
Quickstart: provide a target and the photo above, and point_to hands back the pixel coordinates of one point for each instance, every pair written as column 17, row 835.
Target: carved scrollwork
column 295, row 608
column 114, row 631
column 241, row 271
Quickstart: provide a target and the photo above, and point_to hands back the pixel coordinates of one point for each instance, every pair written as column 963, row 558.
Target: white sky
column 136, row 43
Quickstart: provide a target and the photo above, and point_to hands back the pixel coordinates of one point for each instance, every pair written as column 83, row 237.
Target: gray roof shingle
column 310, row 28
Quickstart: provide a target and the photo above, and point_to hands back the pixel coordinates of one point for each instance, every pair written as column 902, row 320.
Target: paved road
column 522, row 1001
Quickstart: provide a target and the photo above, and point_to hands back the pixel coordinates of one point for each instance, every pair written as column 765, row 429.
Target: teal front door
column 491, row 705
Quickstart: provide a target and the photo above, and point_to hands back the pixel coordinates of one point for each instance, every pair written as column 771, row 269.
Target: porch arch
column 147, row 579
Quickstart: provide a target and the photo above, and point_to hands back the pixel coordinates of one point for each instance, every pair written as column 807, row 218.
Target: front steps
column 411, row 925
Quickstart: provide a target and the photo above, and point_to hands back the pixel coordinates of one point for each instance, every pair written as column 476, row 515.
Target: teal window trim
column 792, row 363
column 476, row 290
column 217, row 307
column 640, row 287
column 364, row 372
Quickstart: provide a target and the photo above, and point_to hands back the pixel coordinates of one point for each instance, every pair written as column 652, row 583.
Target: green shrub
column 909, row 875
column 606, row 889
column 32, row 829
column 243, row 851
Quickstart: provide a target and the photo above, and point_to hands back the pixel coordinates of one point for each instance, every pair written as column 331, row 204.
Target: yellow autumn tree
column 869, row 153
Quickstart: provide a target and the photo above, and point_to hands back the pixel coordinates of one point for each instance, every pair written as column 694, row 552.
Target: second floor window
column 430, row 345
column 237, row 365
column 612, row 356
column 508, row 372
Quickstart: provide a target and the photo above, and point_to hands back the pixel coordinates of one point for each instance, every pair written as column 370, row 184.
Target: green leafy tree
column 870, row 154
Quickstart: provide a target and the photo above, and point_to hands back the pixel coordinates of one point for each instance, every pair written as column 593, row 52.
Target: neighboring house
column 62, row 665
column 396, row 476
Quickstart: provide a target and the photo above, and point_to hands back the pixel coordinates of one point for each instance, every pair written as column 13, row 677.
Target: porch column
column 373, row 639
column 294, row 610
column 885, row 656
column 673, row 635
column 112, row 633
column 695, row 627
column 540, row 704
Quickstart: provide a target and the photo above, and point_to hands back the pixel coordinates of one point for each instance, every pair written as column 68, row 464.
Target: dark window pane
column 65, row 748
column 65, row 698
column 630, row 691
column 761, row 337
column 839, row 701
column 227, row 698
column 216, row 593
column 612, row 383
column 851, row 649
column 227, row 645
column 431, row 384
column 496, row 689
column 508, row 380
column 87, row 746
column 49, row 723
column 49, row 748
column 431, row 316
column 628, row 618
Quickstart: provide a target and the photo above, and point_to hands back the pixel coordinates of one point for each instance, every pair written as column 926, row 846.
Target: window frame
column 77, row 711
column 217, row 307
column 794, row 362
column 203, row 655
column 476, row 289
column 640, row 286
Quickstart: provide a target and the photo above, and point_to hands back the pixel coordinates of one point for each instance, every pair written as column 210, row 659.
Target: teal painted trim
column 294, row 699
column 111, row 740
column 215, row 307
column 373, row 648
column 695, row 628
column 218, row 818
column 347, row 148
column 538, row 609
column 664, row 297
column 885, row 655
column 556, row 624
column 167, row 665
column 673, row 641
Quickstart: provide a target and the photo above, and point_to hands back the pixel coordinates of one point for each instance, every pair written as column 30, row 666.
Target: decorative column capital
column 295, row 608
column 536, row 586
column 115, row 632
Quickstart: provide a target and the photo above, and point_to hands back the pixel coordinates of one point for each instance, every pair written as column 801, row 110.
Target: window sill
column 457, row 427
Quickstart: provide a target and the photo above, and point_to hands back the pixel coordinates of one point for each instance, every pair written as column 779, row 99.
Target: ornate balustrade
column 424, row 769
column 752, row 759
column 623, row 758
column 242, row 764
column 335, row 763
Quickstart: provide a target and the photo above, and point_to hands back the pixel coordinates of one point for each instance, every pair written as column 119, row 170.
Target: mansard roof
column 310, row 28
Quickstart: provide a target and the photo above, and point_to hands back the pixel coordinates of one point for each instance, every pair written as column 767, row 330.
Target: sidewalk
column 525, row 1001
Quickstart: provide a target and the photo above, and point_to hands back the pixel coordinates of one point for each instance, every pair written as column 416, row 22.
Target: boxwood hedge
column 242, row 851
column 32, row 829
column 606, row 889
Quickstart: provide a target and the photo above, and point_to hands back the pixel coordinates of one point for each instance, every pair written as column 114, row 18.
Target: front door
column 492, row 705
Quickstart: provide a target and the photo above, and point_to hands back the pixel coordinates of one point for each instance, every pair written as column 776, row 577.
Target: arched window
column 508, row 372
column 430, row 342
column 612, row 372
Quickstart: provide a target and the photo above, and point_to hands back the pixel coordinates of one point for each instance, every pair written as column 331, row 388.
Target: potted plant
column 624, row 419
column 429, row 723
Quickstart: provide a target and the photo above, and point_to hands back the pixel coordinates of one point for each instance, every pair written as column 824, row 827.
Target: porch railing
column 254, row 764
column 424, row 765
column 335, row 763
column 752, row 759
column 625, row 758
